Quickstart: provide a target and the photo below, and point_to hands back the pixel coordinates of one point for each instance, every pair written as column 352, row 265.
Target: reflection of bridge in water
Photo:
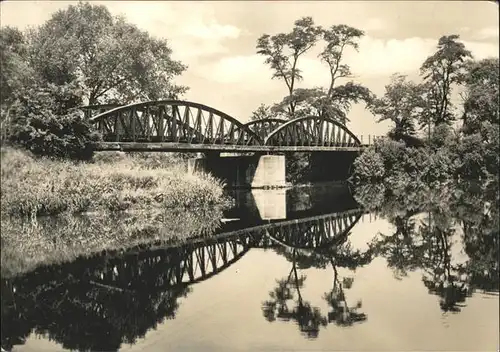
column 201, row 258
column 118, row 296
column 325, row 216
column 301, row 226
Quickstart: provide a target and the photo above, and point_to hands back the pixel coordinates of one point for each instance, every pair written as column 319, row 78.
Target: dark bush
column 46, row 121
column 409, row 140
column 392, row 153
column 398, row 164
column 369, row 166
column 68, row 136
column 298, row 167
column 470, row 157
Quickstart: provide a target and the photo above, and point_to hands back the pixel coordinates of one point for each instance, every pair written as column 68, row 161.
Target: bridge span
column 184, row 126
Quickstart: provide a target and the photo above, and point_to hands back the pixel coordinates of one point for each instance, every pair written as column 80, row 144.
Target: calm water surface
column 320, row 268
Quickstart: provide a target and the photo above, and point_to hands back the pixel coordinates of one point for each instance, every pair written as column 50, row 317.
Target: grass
column 114, row 182
column 27, row 244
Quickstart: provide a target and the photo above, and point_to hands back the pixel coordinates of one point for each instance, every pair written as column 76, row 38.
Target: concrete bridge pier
column 246, row 171
column 335, row 166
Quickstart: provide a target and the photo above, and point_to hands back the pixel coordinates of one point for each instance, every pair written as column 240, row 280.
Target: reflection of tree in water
column 341, row 314
column 426, row 244
column 439, row 277
column 310, row 319
column 101, row 302
column 481, row 244
column 91, row 304
column 400, row 249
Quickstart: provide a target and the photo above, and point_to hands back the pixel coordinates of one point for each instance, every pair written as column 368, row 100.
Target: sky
column 217, row 41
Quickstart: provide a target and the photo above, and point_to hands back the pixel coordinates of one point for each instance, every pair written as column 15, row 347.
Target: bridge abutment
column 255, row 171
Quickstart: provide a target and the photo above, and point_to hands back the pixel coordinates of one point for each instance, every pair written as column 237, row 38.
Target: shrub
column 44, row 120
column 68, row 136
column 392, row 153
column 409, row 140
column 491, row 138
column 439, row 165
column 414, row 162
column 441, row 136
column 470, row 157
column 369, row 166
column 297, row 167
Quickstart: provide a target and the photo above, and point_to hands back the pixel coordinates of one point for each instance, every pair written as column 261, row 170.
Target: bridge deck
column 185, row 147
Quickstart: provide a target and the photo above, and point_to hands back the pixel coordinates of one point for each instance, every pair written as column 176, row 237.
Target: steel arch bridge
column 176, row 125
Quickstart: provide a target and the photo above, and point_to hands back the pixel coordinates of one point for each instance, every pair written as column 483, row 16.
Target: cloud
column 192, row 31
column 248, row 71
column 376, row 58
column 488, row 33
column 374, row 24
column 482, row 50
column 209, row 31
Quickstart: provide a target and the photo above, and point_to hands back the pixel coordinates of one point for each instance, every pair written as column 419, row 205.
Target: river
column 318, row 268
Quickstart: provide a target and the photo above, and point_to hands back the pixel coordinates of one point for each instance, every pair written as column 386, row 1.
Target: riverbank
column 38, row 186
column 443, row 159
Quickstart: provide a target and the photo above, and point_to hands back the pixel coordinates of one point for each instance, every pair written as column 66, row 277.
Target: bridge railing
column 370, row 139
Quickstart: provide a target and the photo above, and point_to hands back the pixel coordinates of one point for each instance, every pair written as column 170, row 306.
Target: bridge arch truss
column 172, row 121
column 264, row 127
column 312, row 131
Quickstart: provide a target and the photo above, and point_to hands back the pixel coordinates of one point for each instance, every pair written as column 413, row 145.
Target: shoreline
column 33, row 187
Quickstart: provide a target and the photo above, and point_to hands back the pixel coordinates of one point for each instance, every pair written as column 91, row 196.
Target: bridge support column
column 256, row 171
column 334, row 166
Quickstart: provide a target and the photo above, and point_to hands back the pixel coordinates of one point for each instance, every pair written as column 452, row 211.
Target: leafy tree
column 441, row 71
column 338, row 38
column 333, row 101
column 14, row 72
column 45, row 121
column 369, row 166
column 479, row 148
column 317, row 101
column 481, row 96
column 470, row 157
column 262, row 112
column 402, row 103
column 106, row 56
column 283, row 50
